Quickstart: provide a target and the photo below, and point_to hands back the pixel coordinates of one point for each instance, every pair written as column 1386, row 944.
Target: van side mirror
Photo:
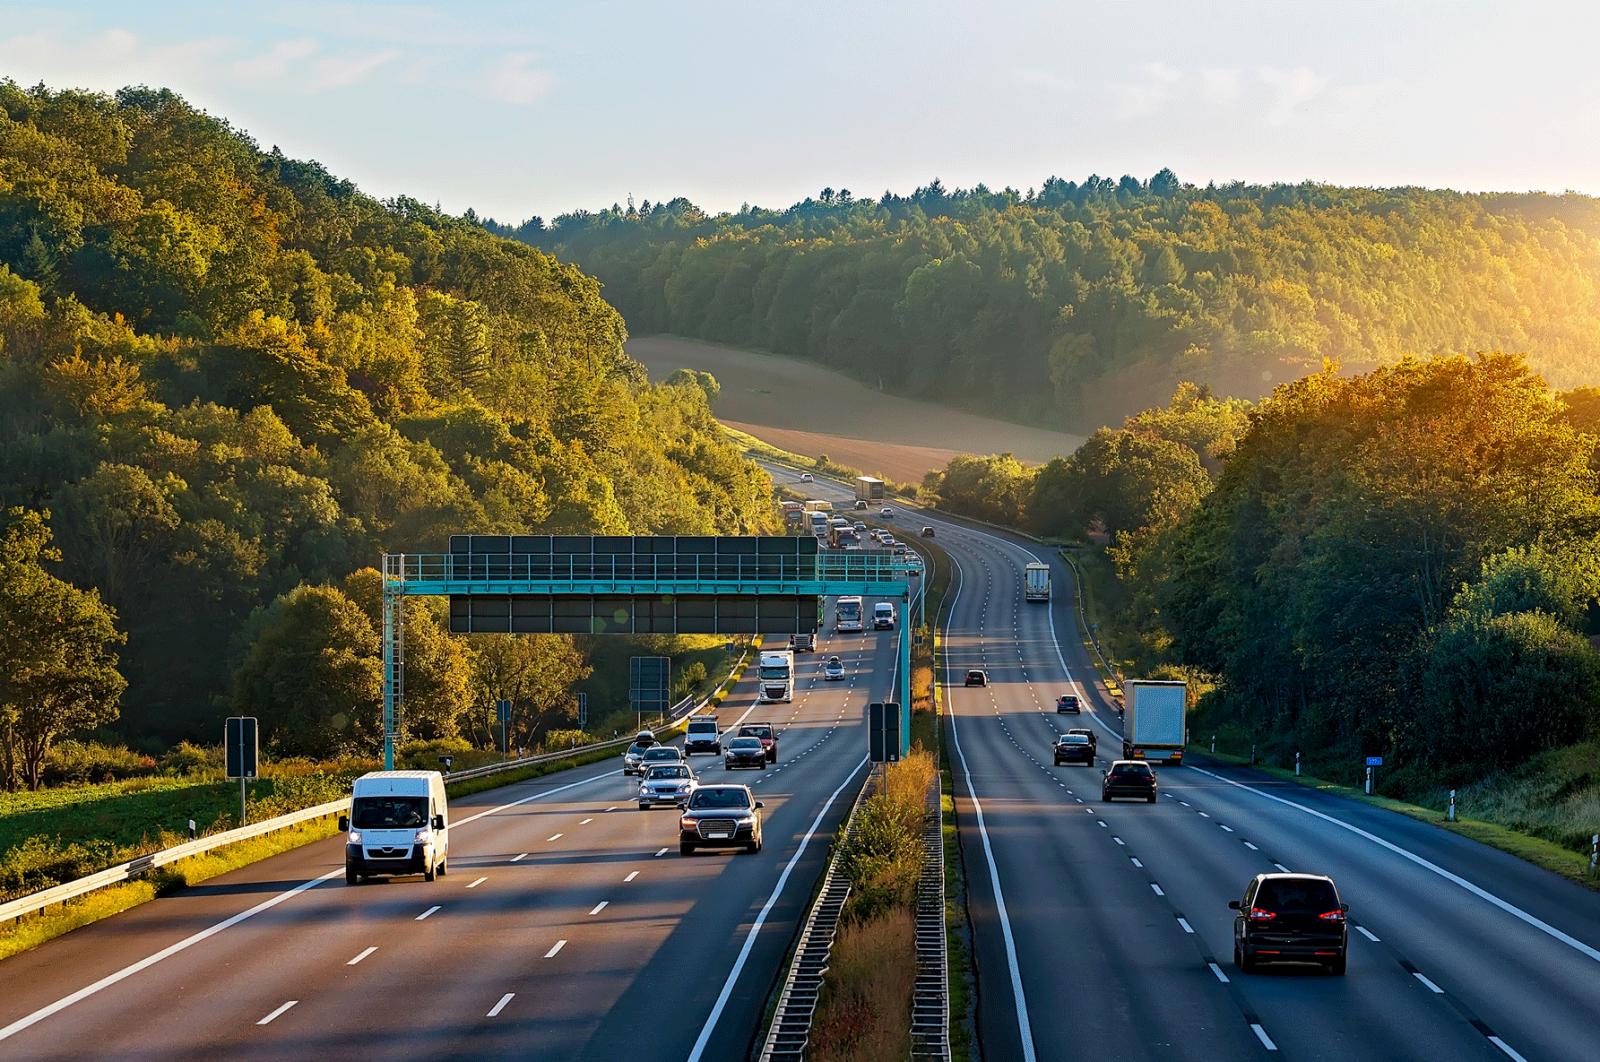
column 761, row 804
column 438, row 822
column 344, row 823
column 1233, row 905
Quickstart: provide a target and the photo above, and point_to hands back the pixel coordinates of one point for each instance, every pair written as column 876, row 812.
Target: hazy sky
column 543, row 107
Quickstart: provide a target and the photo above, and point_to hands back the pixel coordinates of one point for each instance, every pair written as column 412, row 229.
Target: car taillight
column 1261, row 914
column 1332, row 916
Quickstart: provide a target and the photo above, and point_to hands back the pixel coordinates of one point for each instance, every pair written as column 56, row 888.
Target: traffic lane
column 1534, row 991
column 68, row 964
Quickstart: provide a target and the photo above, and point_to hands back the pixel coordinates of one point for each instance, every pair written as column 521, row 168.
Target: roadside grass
column 755, row 447
column 866, row 1013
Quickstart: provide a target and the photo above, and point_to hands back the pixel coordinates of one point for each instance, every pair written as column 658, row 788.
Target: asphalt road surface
column 568, row 926
column 1102, row 930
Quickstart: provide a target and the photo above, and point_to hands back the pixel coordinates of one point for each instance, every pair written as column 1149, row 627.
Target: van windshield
column 389, row 812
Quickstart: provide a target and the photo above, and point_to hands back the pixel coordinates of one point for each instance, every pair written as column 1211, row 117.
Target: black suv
column 1129, row 778
column 720, row 816
column 1074, row 748
column 1094, row 743
column 1291, row 918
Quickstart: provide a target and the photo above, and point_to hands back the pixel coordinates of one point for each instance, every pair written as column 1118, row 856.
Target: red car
column 768, row 735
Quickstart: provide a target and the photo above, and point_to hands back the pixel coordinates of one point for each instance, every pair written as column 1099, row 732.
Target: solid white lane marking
column 1024, row 1026
column 1502, row 1045
column 148, row 961
column 1156, row 889
column 630, row 877
column 519, row 858
column 761, row 918
column 554, row 950
column 478, row 882
column 601, row 906
column 498, row 1007
column 1455, row 879
column 555, row 837
column 363, row 955
column 1261, row 1034
column 1364, row 931
column 1431, row 987
column 1187, row 928
column 268, row 1019
column 1218, row 971
column 426, row 913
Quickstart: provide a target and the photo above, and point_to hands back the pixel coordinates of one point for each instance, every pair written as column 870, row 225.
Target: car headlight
column 688, row 822
column 424, row 836
column 355, row 836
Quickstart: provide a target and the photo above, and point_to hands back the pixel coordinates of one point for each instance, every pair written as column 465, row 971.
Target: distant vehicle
column 803, row 643
column 869, row 489
column 645, row 737
column 660, row 754
column 744, row 752
column 886, row 513
column 883, row 616
column 703, row 735
column 1067, row 703
column 1036, row 582
column 1074, row 748
column 397, row 825
column 847, row 613
column 819, row 505
column 833, row 669
column 666, row 783
column 720, row 816
column 1291, row 918
column 1129, row 778
column 899, row 549
column 805, row 477
column 775, row 676
column 767, row 734
column 860, row 527
column 1155, row 723
column 632, row 757
column 859, row 505
column 886, row 539
column 791, row 506
column 926, row 532
column 1094, row 742
column 977, row 677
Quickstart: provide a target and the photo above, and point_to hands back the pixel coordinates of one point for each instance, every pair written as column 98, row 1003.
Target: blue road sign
column 1374, row 761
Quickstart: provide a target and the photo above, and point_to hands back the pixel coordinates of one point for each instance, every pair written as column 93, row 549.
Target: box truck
column 1155, row 724
column 1036, row 582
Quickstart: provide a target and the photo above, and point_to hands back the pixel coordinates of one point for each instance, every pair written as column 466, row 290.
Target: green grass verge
column 1536, row 850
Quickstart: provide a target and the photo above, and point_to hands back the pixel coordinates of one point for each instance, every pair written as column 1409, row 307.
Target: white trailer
column 1155, row 724
column 1036, row 582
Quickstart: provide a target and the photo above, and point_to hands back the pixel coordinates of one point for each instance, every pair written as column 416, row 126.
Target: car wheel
column 644, row 807
column 753, row 847
column 1238, row 956
column 1336, row 967
column 443, row 867
column 430, row 873
column 685, row 848
column 351, row 877
column 1247, row 962
column 1104, row 799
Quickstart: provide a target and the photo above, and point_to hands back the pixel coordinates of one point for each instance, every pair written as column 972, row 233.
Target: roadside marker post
column 1594, row 852
column 1297, row 765
column 1373, row 763
column 242, row 753
column 1451, row 816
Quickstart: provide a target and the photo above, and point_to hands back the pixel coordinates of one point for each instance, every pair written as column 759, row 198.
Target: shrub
column 77, row 762
column 882, row 855
column 185, row 758
column 40, row 862
column 689, row 678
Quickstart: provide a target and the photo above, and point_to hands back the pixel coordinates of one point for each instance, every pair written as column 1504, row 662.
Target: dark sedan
column 767, row 734
column 1074, row 748
column 1068, row 702
column 1291, row 918
column 1129, row 778
column 744, row 752
column 1094, row 743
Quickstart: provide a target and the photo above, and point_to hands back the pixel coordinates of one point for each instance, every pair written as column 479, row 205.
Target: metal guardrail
column 141, row 865
column 930, row 998
column 790, row 1032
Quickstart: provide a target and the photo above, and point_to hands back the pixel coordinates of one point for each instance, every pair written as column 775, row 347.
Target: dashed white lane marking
column 611, row 809
column 426, row 913
column 1218, row 971
column 1187, row 928
column 1102, row 822
column 268, row 1019
column 363, row 955
column 601, row 906
column 1156, row 889
column 1203, row 815
column 1502, row 1045
column 1431, row 987
column 558, row 946
column 1261, row 1034
column 495, row 1010
column 1281, row 867
column 519, row 858
column 1120, row 841
column 476, row 883
column 555, row 837
column 1364, row 931
column 1252, row 847
column 630, row 877
column 585, row 822
column 1228, row 828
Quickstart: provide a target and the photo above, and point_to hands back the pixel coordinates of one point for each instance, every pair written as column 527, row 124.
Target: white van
column 398, row 824
column 883, row 616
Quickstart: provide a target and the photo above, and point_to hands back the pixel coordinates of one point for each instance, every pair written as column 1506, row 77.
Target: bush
column 40, row 862
column 185, row 758
column 690, row 678
column 882, row 855
column 78, row 762
column 555, row 740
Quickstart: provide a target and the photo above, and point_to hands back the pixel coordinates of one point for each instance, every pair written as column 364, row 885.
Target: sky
column 516, row 109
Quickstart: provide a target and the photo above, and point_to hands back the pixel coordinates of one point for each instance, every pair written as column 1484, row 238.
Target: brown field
column 809, row 409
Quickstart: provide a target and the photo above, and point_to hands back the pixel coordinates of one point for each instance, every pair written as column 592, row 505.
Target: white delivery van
column 883, row 616
column 398, row 824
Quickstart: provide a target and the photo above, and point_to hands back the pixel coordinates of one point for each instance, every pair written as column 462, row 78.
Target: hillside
column 231, row 378
column 1075, row 305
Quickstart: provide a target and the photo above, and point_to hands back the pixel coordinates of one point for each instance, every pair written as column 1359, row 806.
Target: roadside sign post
column 883, row 732
column 649, row 685
column 242, row 753
column 583, row 710
column 1373, row 763
column 503, row 710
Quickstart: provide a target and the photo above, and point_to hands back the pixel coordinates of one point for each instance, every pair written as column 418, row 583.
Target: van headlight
column 424, row 836
column 355, row 836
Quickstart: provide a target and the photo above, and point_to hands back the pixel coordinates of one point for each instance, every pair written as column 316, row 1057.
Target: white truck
column 775, row 676
column 869, row 489
column 1155, row 724
column 1036, row 582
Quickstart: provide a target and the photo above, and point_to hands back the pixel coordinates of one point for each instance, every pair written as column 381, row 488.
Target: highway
column 1103, row 930
column 568, row 925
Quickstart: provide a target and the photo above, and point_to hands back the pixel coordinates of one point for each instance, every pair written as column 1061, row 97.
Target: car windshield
column 745, row 743
column 974, row 674
column 720, row 798
column 1297, row 895
column 636, row 749
column 755, row 731
column 669, row 771
column 389, row 812
column 1067, row 698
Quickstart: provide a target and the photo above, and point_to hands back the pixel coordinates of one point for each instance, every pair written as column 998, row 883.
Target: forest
column 1073, row 305
column 230, row 381
column 1403, row 562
